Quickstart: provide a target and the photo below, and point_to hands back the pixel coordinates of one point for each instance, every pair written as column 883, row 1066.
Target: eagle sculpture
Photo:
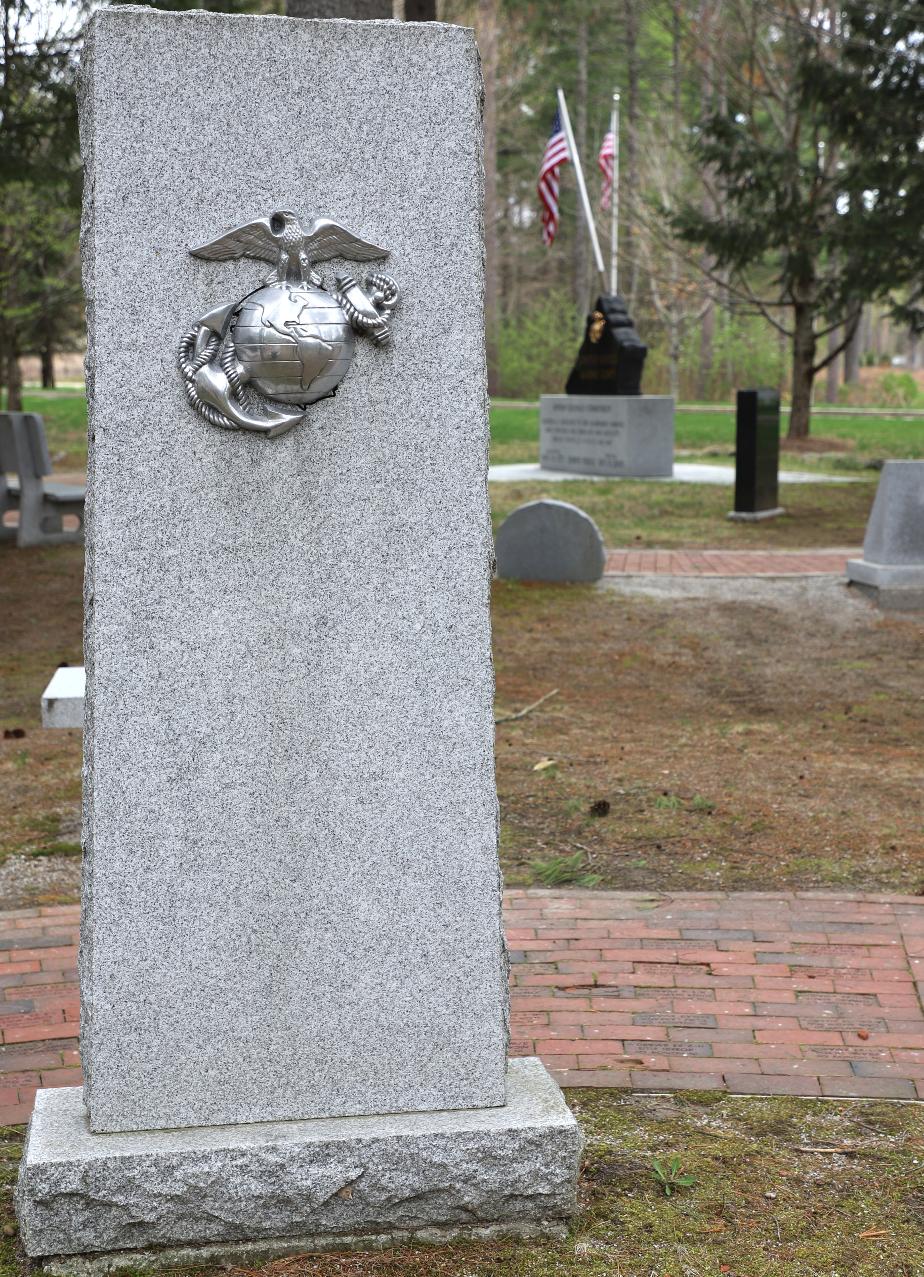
column 281, row 240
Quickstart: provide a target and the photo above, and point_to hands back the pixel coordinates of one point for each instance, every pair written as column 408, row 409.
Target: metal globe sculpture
column 293, row 344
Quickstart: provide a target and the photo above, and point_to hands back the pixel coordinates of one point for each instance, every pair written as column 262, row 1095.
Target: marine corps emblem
column 257, row 363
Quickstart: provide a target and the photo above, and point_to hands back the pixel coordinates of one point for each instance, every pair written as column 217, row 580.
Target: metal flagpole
column 614, row 199
column 582, row 188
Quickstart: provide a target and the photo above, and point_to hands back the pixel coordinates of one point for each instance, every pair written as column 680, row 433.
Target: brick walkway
column 727, row 562
column 796, row 994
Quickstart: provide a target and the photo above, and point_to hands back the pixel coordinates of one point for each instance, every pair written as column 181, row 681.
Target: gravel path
column 26, row 881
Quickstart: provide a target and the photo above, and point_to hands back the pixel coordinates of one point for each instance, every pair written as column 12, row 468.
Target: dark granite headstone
column 757, row 453
column 356, row 9
column 612, row 355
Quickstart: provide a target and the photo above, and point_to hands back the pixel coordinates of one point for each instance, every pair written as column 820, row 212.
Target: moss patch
column 784, row 1188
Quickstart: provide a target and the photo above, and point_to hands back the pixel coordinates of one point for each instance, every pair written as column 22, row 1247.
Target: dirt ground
column 705, row 734
column 709, row 734
column 42, row 616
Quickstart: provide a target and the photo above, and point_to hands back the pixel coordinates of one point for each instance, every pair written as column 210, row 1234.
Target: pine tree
column 817, row 159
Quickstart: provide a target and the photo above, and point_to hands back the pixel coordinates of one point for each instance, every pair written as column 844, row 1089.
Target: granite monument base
column 627, row 436
column 754, row 516
column 892, row 568
column 295, row 1186
column 250, row 1255
column 895, row 588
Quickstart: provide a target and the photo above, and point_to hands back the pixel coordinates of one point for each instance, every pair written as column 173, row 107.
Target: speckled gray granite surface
column 514, row 1165
column 292, row 902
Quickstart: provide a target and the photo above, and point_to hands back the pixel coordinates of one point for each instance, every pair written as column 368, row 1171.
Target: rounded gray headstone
column 549, row 541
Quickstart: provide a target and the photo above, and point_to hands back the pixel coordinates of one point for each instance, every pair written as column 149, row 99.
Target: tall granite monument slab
column 292, row 896
column 757, row 456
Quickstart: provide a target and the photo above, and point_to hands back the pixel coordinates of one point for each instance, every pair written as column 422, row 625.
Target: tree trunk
column 876, row 336
column 803, row 370
column 13, row 382
column 48, row 367
column 852, row 353
column 703, row 387
column 832, row 380
column 487, row 44
column 581, row 232
column 674, row 344
column 629, row 251
column 419, row 10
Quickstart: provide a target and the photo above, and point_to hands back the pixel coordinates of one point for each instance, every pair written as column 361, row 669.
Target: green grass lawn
column 515, row 437
column 663, row 515
column 666, row 516
column 65, row 416
column 515, row 434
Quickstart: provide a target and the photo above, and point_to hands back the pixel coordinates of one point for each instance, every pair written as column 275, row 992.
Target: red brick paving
column 727, row 562
column 805, row 993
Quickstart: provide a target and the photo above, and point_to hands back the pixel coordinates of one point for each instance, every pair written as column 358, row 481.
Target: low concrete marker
column 549, row 541
column 62, row 699
column 892, row 568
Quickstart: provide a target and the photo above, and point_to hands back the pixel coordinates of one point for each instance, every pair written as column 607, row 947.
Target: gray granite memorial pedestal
column 629, row 436
column 293, row 975
column 604, row 425
column 892, row 568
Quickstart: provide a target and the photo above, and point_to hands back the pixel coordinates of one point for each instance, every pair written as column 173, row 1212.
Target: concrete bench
column 42, row 507
column 62, row 699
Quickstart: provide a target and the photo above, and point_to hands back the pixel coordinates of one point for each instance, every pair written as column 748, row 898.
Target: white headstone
column 292, row 904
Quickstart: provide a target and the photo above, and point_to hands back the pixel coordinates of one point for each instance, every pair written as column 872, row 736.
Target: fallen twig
column 509, row 718
column 826, row 1149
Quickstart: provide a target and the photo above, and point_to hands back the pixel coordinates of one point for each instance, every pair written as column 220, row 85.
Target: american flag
column 605, row 159
column 556, row 154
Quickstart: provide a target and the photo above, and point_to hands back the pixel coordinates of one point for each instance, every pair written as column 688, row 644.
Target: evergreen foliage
column 771, row 179
column 815, row 156
column 40, row 298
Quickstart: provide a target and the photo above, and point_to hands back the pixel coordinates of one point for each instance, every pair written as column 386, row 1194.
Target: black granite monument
column 757, row 455
column 358, row 10
column 612, row 355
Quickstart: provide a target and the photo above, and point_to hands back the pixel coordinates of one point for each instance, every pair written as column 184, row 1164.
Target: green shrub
column 536, row 347
column 897, row 390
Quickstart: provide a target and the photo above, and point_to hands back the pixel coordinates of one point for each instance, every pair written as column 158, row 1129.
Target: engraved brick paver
column 783, row 993
column 727, row 562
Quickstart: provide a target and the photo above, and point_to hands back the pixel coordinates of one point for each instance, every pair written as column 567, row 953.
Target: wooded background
column 771, row 188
